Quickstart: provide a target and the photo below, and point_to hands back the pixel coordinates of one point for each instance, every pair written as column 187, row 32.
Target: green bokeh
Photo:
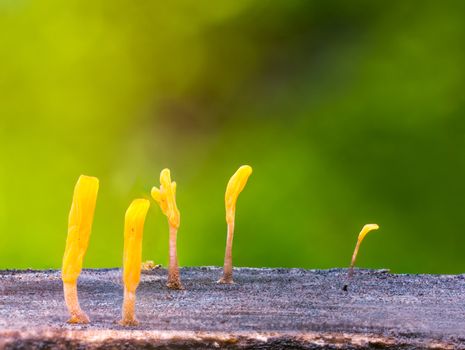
column 349, row 112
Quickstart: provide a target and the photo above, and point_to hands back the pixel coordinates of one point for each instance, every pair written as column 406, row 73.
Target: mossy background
column 350, row 112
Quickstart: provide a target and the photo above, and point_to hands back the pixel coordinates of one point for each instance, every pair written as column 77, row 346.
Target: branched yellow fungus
column 365, row 230
column 80, row 221
column 166, row 198
column 235, row 186
column 132, row 257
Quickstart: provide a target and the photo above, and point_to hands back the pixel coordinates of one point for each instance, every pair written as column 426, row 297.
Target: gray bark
column 265, row 308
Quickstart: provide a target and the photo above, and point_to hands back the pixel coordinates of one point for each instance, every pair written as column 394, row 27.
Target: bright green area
column 350, row 112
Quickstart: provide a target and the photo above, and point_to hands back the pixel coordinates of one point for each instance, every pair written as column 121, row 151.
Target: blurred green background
column 350, row 112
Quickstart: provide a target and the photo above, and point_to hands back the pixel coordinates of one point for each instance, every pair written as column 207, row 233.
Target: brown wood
column 266, row 308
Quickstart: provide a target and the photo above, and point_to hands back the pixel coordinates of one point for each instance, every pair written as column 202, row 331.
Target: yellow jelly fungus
column 367, row 228
column 235, row 186
column 165, row 196
column 132, row 257
column 80, row 221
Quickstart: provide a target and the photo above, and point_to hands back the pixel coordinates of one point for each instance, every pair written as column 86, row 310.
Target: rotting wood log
column 265, row 308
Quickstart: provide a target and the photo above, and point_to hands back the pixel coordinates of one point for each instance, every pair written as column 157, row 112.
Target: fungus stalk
column 132, row 257
column 235, row 186
column 227, row 267
column 80, row 221
column 367, row 228
column 166, row 199
column 174, row 279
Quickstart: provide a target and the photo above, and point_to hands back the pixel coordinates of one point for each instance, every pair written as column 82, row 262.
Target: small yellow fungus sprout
column 132, row 257
column 367, row 228
column 235, row 186
column 149, row 265
column 80, row 221
column 166, row 199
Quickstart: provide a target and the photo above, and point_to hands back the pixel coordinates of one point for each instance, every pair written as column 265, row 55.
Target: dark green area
column 350, row 112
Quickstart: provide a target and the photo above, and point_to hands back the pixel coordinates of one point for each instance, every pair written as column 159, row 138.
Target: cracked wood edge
column 180, row 339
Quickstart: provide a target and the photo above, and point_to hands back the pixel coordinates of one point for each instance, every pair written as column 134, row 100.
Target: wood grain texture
column 266, row 308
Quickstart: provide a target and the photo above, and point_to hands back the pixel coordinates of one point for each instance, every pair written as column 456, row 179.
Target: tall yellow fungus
column 235, row 186
column 165, row 196
column 80, row 221
column 132, row 257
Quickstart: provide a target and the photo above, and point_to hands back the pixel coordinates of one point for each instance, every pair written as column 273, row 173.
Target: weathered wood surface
column 266, row 308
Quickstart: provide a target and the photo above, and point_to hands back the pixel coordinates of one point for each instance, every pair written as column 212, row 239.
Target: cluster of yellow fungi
column 80, row 224
column 80, row 221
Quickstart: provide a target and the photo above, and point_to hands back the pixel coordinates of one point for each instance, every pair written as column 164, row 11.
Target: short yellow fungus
column 165, row 196
column 235, row 186
column 149, row 265
column 80, row 221
column 365, row 230
column 132, row 257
